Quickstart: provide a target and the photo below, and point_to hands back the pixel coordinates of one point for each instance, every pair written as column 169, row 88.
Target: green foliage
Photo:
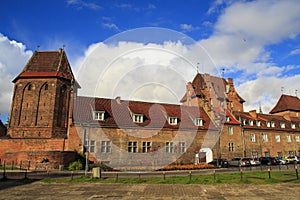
column 77, row 165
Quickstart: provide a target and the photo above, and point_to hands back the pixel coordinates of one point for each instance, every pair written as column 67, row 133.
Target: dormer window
column 98, row 115
column 272, row 124
column 227, row 119
column 251, row 122
column 138, row 118
column 257, row 123
column 282, row 125
column 172, row 120
column 198, row 122
column 293, row 126
column 244, row 122
column 268, row 124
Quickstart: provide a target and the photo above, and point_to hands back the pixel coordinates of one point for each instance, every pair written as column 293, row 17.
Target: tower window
column 29, row 87
column 46, row 86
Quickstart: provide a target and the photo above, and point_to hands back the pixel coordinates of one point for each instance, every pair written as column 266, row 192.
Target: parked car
column 243, row 162
column 292, row 159
column 281, row 161
column 253, row 161
column 268, row 161
column 219, row 163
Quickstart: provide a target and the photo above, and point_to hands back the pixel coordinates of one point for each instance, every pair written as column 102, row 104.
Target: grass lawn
column 225, row 178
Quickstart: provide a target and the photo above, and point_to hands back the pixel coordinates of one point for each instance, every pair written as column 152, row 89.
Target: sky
column 113, row 45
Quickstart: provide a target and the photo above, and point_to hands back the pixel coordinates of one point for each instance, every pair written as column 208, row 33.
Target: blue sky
column 256, row 42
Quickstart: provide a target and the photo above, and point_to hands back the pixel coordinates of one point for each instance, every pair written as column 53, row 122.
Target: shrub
column 76, row 165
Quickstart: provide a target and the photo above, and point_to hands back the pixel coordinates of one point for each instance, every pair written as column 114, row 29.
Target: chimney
column 253, row 113
column 118, row 99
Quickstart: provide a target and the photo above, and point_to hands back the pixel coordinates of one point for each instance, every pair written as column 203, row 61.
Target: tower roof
column 286, row 103
column 47, row 64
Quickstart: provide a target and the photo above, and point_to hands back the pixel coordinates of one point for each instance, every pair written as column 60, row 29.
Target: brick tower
column 42, row 97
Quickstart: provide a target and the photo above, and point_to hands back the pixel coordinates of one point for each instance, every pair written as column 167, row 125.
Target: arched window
column 46, row 86
column 29, row 87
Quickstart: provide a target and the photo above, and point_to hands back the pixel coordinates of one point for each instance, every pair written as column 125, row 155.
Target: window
column 254, row 154
column 244, row 122
column 29, row 87
column 227, row 119
column 146, row 147
column 268, row 124
column 90, row 145
column 105, row 147
column 181, row 147
column 297, row 138
column 293, row 126
column 230, row 146
column 251, row 122
column 277, row 138
column 272, row 124
column 252, row 138
column 230, row 130
column 288, row 138
column 169, row 147
column 279, row 154
column 98, row 115
column 267, row 154
column 257, row 123
column 198, row 122
column 46, row 86
column 138, row 118
column 172, row 120
column 132, row 147
column 291, row 153
column 265, row 138
column 282, row 125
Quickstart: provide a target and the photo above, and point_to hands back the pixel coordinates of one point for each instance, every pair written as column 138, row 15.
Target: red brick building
column 48, row 120
column 3, row 129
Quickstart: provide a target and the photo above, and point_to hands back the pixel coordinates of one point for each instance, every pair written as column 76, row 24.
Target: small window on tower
column 46, row 86
column 29, row 87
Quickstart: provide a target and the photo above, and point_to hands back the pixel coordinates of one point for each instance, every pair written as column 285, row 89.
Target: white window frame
column 98, row 115
column 293, row 125
column 198, row 122
column 282, row 125
column 230, row 130
column 138, row 118
column 297, row 138
column 273, row 124
column 172, row 120
column 182, row 147
column 105, row 146
column 92, row 146
column 244, row 121
column 265, row 137
column 277, row 138
column 169, row 147
column 132, row 147
column 146, row 146
column 258, row 123
column 227, row 119
column 268, row 124
column 252, row 137
column 288, row 138
column 251, row 122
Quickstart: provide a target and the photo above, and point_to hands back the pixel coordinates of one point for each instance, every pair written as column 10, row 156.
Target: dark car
column 268, row 161
column 219, row 163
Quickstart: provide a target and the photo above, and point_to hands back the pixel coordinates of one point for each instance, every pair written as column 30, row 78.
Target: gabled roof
column 47, row 64
column 118, row 113
column 286, row 103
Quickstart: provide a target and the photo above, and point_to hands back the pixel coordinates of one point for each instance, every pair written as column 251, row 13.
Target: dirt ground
column 39, row 190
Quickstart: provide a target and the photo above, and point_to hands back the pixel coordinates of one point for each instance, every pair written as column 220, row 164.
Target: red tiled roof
column 286, row 103
column 232, row 119
column 155, row 114
column 47, row 64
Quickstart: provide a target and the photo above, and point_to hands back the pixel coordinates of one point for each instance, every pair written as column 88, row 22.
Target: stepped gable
column 118, row 113
column 44, row 64
column 286, row 103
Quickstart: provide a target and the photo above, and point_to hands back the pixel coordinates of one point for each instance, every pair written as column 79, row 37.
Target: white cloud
column 111, row 26
column 79, row 4
column 295, row 52
column 13, row 57
column 188, row 27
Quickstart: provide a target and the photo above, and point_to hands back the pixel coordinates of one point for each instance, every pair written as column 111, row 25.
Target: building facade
column 49, row 121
